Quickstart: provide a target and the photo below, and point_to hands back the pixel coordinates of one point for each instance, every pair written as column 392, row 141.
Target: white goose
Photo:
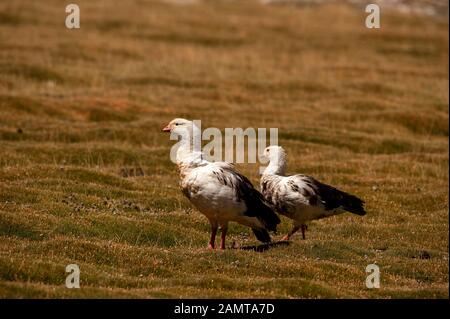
column 302, row 198
column 218, row 191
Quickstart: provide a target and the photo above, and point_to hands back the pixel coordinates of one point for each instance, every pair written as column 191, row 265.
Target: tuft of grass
column 32, row 72
column 9, row 19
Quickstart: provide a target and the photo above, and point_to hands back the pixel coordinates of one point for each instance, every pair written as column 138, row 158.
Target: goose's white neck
column 277, row 165
column 188, row 152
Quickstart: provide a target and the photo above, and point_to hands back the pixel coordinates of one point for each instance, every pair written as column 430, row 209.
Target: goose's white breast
column 211, row 198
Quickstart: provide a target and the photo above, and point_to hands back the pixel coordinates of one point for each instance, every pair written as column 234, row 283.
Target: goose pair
column 222, row 194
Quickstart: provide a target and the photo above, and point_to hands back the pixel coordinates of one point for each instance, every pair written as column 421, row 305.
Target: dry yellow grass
column 364, row 110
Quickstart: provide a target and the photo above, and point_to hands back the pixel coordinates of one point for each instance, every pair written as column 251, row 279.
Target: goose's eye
column 176, row 124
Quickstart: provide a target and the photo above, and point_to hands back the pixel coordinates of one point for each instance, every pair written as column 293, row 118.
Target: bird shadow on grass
column 264, row 247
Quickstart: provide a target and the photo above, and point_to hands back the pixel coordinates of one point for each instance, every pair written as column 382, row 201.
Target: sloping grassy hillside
column 85, row 175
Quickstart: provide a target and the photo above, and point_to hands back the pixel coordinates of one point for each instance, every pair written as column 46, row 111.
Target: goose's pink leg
column 213, row 236
column 292, row 232
column 222, row 239
column 304, row 228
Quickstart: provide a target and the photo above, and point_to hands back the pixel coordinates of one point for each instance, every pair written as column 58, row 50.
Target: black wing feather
column 254, row 200
column 334, row 198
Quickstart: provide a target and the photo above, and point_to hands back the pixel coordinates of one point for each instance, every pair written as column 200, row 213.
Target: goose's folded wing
column 332, row 198
column 256, row 205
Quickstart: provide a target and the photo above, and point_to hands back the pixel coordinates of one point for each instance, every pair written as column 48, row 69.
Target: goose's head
column 179, row 126
column 189, row 135
column 277, row 160
column 274, row 153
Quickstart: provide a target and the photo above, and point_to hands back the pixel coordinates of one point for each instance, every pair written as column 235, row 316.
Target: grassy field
column 85, row 174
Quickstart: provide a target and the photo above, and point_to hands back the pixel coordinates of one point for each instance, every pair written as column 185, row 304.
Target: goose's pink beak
column 166, row 129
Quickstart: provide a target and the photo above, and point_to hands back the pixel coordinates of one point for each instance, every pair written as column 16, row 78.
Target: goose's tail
column 262, row 235
column 353, row 204
column 268, row 217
